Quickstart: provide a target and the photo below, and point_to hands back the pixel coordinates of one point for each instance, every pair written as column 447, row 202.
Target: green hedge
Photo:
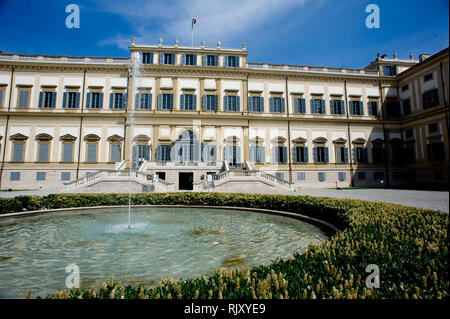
column 409, row 245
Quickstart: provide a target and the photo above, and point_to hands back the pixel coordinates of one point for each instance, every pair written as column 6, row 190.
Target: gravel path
column 438, row 200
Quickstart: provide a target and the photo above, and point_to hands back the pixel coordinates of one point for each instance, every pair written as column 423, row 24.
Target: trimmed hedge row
column 409, row 245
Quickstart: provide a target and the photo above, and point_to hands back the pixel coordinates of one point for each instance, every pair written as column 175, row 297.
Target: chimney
column 423, row 57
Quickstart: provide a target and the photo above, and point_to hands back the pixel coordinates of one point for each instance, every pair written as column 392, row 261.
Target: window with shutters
column 210, row 60
column 71, row 100
column 393, row 107
column 163, row 153
column 299, row 105
column 191, row 59
column 320, row 151
column 94, row 100
column 320, row 154
column 317, row 106
column 232, row 61
column 18, row 147
column 405, row 87
column 433, row 128
column 300, row 154
column 167, row 58
column 276, row 105
column 341, row 154
column 428, row 77
column 436, row 151
column 47, row 99
column 337, row 107
column 359, row 155
column 373, row 108
column 188, row 102
column 397, row 151
column 430, row 98
column 23, row 97
column 231, row 103
column 378, row 152
column 117, row 101
column 165, row 101
column 92, row 141
column 143, row 101
column 255, row 104
column 41, row 176
column 210, row 102
column 390, row 70
column 147, row 57
column 356, row 108
column 43, row 148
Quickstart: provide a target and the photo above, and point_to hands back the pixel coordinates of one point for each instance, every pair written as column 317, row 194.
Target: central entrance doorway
column 186, row 181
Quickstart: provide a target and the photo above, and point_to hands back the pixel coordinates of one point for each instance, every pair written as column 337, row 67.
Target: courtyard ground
column 437, row 200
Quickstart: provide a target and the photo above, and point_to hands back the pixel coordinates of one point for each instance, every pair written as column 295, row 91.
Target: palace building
column 172, row 117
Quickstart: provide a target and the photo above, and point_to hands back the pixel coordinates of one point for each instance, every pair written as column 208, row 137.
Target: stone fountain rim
column 311, row 220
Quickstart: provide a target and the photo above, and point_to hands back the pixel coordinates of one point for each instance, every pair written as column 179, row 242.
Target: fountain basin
column 162, row 242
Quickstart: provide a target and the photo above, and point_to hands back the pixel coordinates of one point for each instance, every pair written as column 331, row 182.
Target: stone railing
column 306, row 68
column 63, row 59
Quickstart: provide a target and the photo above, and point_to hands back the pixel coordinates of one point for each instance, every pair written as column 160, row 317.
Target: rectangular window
column 389, row 70
column 361, row 176
column 43, row 149
column 231, row 103
column 165, row 101
column 428, row 77
column 337, row 107
column 321, row 154
column 405, row 87
column 191, row 59
column 210, row 60
column 147, row 58
column 299, row 106
column 258, row 154
column 433, row 128
column 279, row 175
column 94, row 100
column 436, row 151
column 373, row 108
column 301, row 176
column 255, row 104
column 356, row 108
column 409, row 133
column 23, row 98
column 430, row 98
column 91, row 156
column 116, row 152
column 279, row 154
column 47, row 99
column 317, row 106
column 300, row 154
column 406, row 107
column 14, row 176
column 143, row 101
column 18, row 153
column 65, row 176
column 232, row 61
column 163, row 153
column 167, row 58
column 342, row 176
column 188, row 102
column 393, row 108
column 1, row 97
column 276, row 105
column 67, row 152
column 210, row 102
column 359, row 155
column 322, row 176
column 71, row 100
column 40, row 176
column 378, row 155
column 117, row 101
column 161, row 175
column 341, row 154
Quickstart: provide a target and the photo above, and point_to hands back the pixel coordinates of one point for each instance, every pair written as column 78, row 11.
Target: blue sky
column 311, row 32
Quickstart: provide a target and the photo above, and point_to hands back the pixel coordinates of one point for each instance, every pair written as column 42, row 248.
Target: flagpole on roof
column 194, row 21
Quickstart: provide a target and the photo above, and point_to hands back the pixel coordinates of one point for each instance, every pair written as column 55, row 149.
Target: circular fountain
column 160, row 242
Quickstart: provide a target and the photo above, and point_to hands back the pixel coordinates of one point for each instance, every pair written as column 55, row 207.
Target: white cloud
column 230, row 21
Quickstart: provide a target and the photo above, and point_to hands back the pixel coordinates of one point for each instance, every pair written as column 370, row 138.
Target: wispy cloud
column 225, row 20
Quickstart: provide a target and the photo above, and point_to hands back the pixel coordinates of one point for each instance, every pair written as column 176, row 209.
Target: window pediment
column 299, row 141
column 44, row 137
column 320, row 140
column 378, row 141
column 68, row 138
column 359, row 141
column 232, row 140
column 143, row 139
column 115, row 138
column 340, row 140
column 18, row 137
column 257, row 140
column 92, row 138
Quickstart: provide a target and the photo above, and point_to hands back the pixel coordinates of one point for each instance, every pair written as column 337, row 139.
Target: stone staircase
column 244, row 180
column 117, row 181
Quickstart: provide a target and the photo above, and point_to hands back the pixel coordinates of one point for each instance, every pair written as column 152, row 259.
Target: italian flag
column 194, row 21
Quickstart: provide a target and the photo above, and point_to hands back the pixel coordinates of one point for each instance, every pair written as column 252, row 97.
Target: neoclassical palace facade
column 195, row 117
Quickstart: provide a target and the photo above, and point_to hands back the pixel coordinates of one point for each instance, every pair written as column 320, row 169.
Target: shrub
column 409, row 245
